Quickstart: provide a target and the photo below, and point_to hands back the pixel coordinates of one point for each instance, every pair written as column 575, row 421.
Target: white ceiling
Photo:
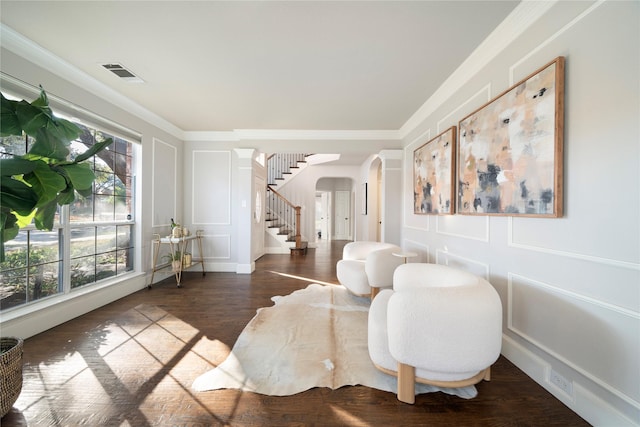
column 298, row 65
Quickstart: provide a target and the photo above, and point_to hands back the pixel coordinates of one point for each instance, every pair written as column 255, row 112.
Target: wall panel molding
column 544, row 44
column 484, row 94
column 479, row 268
column 522, row 17
column 440, row 228
column 414, row 246
column 567, row 254
column 216, row 246
column 527, row 319
column 164, row 179
column 211, row 189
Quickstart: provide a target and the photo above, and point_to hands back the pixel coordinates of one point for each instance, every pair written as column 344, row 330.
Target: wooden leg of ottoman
column 406, row 383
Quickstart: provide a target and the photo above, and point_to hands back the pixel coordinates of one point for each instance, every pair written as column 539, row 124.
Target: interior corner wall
column 569, row 286
column 215, row 209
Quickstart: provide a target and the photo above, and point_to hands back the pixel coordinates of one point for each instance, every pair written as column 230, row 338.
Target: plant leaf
column 94, row 149
column 9, row 225
column 49, row 145
column 9, row 123
column 67, row 196
column 17, row 196
column 85, row 192
column 45, row 215
column 24, row 220
column 46, row 183
column 80, row 175
column 32, row 118
column 8, row 230
column 16, row 166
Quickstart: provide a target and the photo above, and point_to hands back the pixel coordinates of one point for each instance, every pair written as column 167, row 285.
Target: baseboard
column 579, row 399
column 245, row 268
column 276, row 250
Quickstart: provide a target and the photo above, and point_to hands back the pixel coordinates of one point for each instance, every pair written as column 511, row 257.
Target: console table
column 178, row 247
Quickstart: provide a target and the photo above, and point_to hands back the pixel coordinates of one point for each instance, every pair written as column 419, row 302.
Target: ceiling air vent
column 120, row 71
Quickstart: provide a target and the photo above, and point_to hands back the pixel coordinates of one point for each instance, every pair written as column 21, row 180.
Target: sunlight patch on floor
column 304, row 279
column 347, row 418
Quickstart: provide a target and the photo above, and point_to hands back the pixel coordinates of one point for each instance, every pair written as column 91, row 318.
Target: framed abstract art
column 433, row 175
column 510, row 150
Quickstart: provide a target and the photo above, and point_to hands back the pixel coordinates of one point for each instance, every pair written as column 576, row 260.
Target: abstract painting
column 434, row 175
column 510, row 151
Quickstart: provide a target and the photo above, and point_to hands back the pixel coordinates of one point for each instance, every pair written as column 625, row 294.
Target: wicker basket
column 10, row 372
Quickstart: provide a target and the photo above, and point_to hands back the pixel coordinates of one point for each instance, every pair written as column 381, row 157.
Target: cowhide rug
column 314, row 337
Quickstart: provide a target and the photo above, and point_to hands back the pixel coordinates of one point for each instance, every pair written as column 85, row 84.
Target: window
column 92, row 239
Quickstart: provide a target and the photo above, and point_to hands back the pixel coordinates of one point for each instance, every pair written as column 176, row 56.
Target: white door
column 342, row 221
column 322, row 215
column 258, row 225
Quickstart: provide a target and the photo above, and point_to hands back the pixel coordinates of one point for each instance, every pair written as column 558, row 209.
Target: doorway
column 323, row 215
column 343, row 215
column 334, row 216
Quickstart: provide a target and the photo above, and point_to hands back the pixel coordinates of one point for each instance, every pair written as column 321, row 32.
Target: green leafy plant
column 34, row 184
column 174, row 256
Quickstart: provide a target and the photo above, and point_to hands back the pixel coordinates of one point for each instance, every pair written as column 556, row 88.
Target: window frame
column 63, row 225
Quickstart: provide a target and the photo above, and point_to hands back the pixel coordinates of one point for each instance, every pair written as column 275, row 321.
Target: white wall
column 569, row 286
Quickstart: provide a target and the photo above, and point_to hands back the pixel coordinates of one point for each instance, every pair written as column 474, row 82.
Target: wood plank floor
column 132, row 363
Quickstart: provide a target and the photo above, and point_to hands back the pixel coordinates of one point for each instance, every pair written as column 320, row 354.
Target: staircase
column 282, row 216
column 283, row 167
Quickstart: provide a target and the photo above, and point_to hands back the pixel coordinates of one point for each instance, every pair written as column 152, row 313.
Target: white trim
column 486, row 88
column 228, row 242
column 545, row 286
column 193, row 188
column 518, row 21
column 153, row 181
column 33, row 52
column 71, row 111
column 413, row 227
column 291, row 134
column 568, row 254
column 39, row 316
column 550, row 39
column 465, row 260
column 415, row 244
column 463, row 236
column 426, row 134
column 245, row 268
column 583, row 402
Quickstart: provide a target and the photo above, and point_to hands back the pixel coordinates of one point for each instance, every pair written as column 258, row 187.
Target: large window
column 92, row 239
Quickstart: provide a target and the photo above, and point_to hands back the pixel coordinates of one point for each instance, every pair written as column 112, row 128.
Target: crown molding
column 515, row 24
column 33, row 52
column 521, row 18
column 292, row 135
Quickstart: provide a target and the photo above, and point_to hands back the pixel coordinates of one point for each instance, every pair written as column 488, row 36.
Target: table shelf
column 177, row 245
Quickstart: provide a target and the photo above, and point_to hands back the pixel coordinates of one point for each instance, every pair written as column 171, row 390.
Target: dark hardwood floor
column 132, row 363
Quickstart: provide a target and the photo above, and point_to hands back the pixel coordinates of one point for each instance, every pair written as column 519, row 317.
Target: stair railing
column 280, row 164
column 285, row 213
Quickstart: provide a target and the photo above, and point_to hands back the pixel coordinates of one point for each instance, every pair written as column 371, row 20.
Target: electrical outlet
column 561, row 382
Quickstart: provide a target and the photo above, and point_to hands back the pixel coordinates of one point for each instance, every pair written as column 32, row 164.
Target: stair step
column 302, row 250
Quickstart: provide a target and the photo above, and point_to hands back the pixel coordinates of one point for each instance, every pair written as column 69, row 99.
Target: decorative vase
column 176, row 265
column 10, row 372
column 186, row 260
column 176, row 232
